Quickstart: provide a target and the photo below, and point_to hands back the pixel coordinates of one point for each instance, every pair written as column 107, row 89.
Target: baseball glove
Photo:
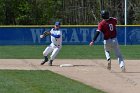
column 46, row 33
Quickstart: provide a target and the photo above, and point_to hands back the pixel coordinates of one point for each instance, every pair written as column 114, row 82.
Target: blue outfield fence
column 71, row 35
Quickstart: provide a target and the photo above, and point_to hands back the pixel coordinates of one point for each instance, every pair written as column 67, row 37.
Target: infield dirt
column 89, row 71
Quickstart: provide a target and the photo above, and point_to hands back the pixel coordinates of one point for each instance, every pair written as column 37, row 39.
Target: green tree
column 69, row 12
column 23, row 11
column 2, row 12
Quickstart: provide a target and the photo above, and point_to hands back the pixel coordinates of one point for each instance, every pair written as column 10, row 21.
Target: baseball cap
column 57, row 23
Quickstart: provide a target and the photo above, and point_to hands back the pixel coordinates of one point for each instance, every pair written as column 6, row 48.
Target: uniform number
column 111, row 27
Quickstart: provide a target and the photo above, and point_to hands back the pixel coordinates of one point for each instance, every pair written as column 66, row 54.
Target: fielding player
column 108, row 27
column 56, row 43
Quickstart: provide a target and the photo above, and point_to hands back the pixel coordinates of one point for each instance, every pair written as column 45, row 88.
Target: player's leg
column 107, row 48
column 48, row 50
column 108, row 60
column 120, row 59
column 118, row 54
column 53, row 55
column 107, row 54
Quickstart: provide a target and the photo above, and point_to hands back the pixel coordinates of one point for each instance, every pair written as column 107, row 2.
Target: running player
column 108, row 27
column 56, row 43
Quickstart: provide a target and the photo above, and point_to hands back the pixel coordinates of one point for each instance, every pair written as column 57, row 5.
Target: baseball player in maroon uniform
column 108, row 27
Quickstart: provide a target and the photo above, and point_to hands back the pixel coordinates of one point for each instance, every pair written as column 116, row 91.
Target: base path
column 89, row 71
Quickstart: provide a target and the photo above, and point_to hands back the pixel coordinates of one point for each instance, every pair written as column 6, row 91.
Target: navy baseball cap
column 57, row 23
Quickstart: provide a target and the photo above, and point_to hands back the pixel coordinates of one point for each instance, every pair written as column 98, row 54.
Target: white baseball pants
column 53, row 49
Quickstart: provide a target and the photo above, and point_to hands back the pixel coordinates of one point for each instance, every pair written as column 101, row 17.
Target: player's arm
column 95, row 37
column 46, row 33
column 100, row 27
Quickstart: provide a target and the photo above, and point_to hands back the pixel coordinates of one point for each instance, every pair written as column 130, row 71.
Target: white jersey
column 57, row 41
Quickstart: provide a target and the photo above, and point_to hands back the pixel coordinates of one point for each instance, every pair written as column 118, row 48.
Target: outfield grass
column 15, row 81
column 67, row 52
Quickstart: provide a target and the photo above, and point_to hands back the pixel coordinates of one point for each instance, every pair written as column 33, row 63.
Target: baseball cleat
column 50, row 63
column 123, row 69
column 44, row 61
column 109, row 64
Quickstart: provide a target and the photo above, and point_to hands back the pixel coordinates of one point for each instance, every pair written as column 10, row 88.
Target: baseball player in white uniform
column 56, row 43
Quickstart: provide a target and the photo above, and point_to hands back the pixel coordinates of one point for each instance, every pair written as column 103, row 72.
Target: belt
column 56, row 45
column 110, row 38
column 113, row 37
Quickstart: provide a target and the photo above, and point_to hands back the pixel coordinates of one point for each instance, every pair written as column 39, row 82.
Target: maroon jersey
column 108, row 28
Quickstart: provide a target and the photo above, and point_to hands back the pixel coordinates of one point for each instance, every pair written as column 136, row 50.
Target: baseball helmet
column 105, row 14
column 57, row 23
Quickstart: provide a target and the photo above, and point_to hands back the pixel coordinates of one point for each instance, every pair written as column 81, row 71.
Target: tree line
column 68, row 12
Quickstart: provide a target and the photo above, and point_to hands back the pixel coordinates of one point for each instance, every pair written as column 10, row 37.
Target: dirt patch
column 90, row 72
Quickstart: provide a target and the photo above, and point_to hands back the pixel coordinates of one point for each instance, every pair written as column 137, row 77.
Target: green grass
column 13, row 81
column 67, row 52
